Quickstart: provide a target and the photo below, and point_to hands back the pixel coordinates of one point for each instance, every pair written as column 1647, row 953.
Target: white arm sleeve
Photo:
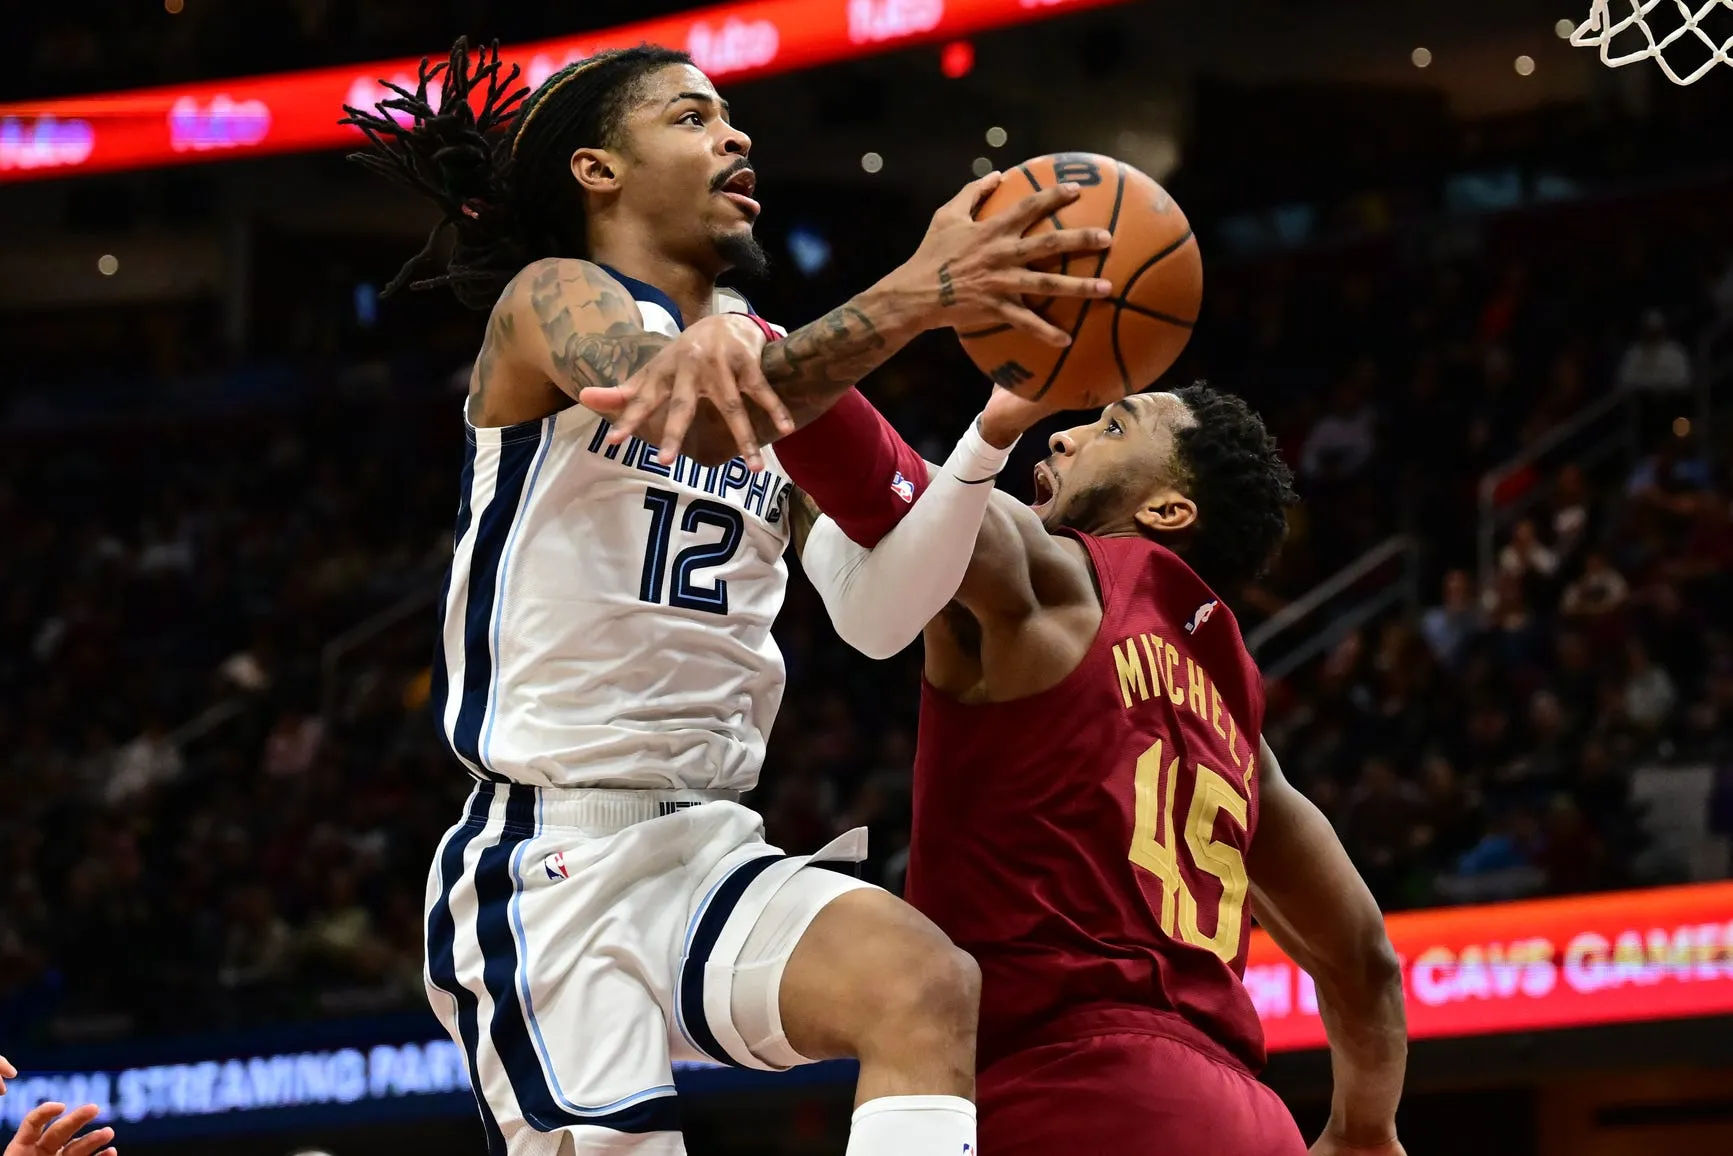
column 880, row 599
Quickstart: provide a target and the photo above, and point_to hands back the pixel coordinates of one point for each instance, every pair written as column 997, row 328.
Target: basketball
column 1119, row 345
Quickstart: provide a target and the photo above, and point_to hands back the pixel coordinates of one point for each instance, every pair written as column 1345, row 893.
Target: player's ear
column 597, row 170
column 1167, row 511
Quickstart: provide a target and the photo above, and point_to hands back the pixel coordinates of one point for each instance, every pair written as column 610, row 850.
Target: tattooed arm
column 564, row 325
column 966, row 273
column 559, row 327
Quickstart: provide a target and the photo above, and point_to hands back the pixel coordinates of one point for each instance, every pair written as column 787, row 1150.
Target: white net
column 1675, row 34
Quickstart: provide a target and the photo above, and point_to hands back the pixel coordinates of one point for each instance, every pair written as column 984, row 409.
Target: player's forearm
column 856, row 468
column 1368, row 1030
column 812, row 369
column 816, row 364
column 880, row 599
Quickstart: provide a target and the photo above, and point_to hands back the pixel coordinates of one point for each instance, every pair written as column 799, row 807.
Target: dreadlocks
column 501, row 176
column 1242, row 486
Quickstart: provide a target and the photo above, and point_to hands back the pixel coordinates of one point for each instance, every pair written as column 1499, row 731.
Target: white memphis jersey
column 607, row 618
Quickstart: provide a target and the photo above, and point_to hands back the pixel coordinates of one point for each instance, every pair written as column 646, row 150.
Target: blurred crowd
column 176, row 817
column 219, row 787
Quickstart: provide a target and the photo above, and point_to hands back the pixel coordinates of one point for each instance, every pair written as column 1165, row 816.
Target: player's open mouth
column 1046, row 485
column 739, row 189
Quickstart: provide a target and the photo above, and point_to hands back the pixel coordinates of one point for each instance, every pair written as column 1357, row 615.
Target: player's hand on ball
column 970, row 274
column 717, row 361
column 46, row 1132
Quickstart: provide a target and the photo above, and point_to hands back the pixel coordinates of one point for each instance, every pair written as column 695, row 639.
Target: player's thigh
column 1129, row 1092
column 869, row 964
column 748, row 920
column 787, row 963
column 547, row 962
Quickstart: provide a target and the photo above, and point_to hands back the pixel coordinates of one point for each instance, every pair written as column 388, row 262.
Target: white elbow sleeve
column 880, row 599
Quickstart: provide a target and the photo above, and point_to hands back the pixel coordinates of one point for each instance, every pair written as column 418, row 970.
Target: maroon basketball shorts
column 1129, row 1092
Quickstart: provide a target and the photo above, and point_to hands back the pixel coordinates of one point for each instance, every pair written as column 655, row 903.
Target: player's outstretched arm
column 965, row 273
column 961, row 541
column 1308, row 896
column 1016, row 567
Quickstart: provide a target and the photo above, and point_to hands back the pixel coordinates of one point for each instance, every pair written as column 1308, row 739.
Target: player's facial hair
column 744, row 255
column 1089, row 510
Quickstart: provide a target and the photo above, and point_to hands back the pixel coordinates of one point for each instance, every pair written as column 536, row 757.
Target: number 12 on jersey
column 684, row 591
column 1154, row 848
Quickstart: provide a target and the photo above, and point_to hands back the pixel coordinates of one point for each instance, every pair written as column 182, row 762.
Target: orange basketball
column 1119, row 345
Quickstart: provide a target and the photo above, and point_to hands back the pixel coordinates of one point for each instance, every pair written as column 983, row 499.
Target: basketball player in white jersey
column 606, row 670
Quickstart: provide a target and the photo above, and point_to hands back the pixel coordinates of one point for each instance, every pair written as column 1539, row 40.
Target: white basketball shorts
column 580, row 941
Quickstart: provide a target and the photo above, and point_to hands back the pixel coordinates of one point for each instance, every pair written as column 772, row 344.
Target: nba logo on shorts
column 1200, row 616
column 902, row 487
column 556, row 865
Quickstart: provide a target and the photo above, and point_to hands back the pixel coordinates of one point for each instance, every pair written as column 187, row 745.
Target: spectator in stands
column 1448, row 626
column 1502, row 865
column 1703, row 564
column 1525, row 556
column 1569, row 517
column 1667, row 478
column 1572, row 853
column 147, row 762
column 1598, row 590
column 1341, row 443
column 1379, row 822
column 258, row 948
column 1656, row 369
column 1656, row 362
column 1649, row 691
column 1452, row 822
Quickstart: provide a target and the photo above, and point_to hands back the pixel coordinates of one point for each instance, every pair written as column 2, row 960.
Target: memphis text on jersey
column 764, row 494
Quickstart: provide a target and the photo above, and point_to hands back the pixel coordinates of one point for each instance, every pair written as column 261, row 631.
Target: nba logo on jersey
column 902, row 487
column 1200, row 616
column 556, row 865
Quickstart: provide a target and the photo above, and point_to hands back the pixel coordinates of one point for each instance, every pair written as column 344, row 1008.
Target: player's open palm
column 718, row 361
column 976, row 272
column 46, row 1132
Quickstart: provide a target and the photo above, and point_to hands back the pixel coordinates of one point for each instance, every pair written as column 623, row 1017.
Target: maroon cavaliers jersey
column 1087, row 845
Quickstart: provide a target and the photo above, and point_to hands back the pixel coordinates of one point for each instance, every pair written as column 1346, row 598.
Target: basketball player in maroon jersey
column 1096, row 817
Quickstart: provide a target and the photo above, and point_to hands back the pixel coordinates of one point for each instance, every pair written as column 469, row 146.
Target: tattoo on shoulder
column 589, row 324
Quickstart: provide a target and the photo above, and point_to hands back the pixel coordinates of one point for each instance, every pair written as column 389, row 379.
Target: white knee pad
column 755, row 994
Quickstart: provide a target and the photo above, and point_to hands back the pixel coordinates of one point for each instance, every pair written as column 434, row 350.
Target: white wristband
column 974, row 461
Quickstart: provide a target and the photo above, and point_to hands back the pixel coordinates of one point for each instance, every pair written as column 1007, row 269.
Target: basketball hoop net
column 1600, row 29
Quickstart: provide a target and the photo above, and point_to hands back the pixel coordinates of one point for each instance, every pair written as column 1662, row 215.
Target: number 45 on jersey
column 1154, row 848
